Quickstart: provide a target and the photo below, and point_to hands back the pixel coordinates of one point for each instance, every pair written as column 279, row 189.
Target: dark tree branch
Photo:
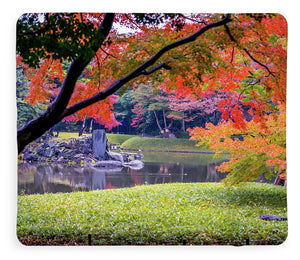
column 191, row 19
column 158, row 67
column 258, row 62
column 232, row 55
column 77, row 67
column 58, row 109
column 248, row 53
column 108, row 54
column 52, row 115
column 141, row 70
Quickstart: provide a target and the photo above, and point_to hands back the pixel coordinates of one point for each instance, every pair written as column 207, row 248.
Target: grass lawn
column 162, row 144
column 65, row 136
column 199, row 213
column 118, row 138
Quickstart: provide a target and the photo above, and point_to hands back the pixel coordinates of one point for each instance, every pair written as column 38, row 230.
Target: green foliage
column 25, row 111
column 201, row 213
column 123, row 112
column 252, row 164
column 65, row 136
column 38, row 35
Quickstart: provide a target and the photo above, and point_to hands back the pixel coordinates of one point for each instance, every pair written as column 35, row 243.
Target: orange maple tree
column 256, row 143
column 241, row 56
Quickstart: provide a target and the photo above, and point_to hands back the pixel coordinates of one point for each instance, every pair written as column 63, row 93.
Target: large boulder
column 100, row 144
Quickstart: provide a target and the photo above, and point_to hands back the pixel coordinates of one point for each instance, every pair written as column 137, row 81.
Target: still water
column 158, row 168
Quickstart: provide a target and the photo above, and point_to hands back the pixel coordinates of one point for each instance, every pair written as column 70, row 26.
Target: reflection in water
column 62, row 178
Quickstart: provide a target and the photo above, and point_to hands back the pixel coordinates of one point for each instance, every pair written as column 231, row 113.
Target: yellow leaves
column 272, row 150
column 277, row 161
column 257, row 146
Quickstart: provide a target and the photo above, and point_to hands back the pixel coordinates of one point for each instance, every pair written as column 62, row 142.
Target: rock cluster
column 80, row 152
column 77, row 151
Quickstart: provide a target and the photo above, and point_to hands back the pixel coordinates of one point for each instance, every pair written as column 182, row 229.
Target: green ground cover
column 199, row 213
column 65, row 136
column 162, row 144
column 118, row 138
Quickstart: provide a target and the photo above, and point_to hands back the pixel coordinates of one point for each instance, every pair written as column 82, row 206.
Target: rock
column 60, row 159
column 30, row 157
column 51, row 143
column 125, row 157
column 79, row 160
column 79, row 155
column 83, row 152
column 64, row 145
column 270, row 217
column 108, row 163
column 40, row 150
column 86, row 149
column 138, row 156
column 135, row 164
column 57, row 152
column 48, row 152
column 115, row 157
column 99, row 144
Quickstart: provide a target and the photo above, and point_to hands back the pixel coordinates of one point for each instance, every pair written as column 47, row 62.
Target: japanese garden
column 151, row 129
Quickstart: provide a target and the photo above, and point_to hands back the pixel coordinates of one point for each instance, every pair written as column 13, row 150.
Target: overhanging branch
column 141, row 70
column 58, row 109
column 247, row 52
column 158, row 67
column 53, row 114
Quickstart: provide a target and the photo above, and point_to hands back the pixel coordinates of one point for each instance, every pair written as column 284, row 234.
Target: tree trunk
column 58, row 109
column 157, row 122
column 183, row 123
column 91, row 126
column 82, row 127
column 164, row 116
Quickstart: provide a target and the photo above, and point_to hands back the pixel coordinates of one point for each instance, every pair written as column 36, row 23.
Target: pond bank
column 80, row 151
column 197, row 213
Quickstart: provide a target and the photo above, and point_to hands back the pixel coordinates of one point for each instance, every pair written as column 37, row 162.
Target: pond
column 159, row 168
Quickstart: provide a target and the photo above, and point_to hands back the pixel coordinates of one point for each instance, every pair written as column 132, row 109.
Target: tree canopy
column 242, row 57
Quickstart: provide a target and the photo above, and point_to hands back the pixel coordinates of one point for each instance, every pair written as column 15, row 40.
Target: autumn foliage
column 254, row 123
column 238, row 64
